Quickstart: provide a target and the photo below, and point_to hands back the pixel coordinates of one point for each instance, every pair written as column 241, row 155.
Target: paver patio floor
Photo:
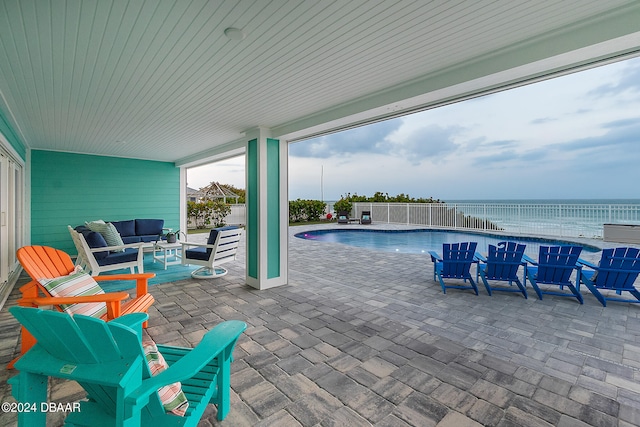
column 361, row 337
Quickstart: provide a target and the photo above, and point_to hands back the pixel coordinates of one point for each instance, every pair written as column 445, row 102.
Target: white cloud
column 229, row 171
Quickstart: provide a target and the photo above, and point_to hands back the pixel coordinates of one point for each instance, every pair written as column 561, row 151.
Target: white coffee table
column 167, row 253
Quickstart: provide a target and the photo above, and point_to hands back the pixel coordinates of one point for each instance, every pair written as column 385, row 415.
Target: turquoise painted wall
column 69, row 189
column 7, row 131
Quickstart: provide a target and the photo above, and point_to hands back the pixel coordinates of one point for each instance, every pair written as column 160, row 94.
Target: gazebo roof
column 216, row 191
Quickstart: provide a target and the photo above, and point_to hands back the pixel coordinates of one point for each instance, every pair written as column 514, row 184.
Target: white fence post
column 455, row 216
column 484, row 217
column 560, row 220
column 519, row 220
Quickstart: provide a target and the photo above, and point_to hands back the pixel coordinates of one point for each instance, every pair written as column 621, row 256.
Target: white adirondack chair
column 131, row 258
column 221, row 247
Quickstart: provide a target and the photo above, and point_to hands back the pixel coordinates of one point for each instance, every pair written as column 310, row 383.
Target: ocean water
column 560, row 217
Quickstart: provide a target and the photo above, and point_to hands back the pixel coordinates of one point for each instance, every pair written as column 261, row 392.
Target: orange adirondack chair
column 46, row 262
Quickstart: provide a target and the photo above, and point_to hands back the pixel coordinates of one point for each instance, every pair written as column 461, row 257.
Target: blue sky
column 573, row 137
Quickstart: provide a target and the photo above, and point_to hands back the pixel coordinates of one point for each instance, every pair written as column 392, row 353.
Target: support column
column 267, row 210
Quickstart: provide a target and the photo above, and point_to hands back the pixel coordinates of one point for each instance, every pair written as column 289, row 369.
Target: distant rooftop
column 217, row 191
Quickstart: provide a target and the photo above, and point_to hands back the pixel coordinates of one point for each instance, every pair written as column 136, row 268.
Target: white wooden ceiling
column 158, row 79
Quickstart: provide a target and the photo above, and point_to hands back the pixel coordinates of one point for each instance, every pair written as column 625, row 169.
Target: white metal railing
column 563, row 220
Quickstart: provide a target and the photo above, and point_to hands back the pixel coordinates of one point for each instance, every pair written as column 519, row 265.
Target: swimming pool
column 423, row 241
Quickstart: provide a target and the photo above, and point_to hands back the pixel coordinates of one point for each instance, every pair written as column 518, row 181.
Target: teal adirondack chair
column 108, row 361
column 554, row 267
column 617, row 271
column 455, row 263
column 501, row 265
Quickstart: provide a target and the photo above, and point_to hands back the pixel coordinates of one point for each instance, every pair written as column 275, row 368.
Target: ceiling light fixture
column 234, row 33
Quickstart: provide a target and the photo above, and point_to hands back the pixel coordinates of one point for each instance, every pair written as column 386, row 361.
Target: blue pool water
column 423, row 241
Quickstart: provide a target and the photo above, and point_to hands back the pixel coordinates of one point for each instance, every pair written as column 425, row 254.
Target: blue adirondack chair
column 554, row 267
column 617, row 271
column 501, row 265
column 108, row 361
column 455, row 263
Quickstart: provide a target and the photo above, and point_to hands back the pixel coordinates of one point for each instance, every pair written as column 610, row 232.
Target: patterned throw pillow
column 76, row 284
column 108, row 231
column 172, row 397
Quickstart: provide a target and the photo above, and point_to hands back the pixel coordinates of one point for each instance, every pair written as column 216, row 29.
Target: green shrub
column 314, row 209
column 208, row 212
column 306, row 210
column 296, row 209
column 380, row 197
column 219, row 213
column 343, row 205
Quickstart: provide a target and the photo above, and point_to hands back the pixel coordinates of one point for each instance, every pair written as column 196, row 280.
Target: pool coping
column 592, row 257
column 507, row 236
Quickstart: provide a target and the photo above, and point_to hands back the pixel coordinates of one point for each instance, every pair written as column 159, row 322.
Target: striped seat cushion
column 172, row 397
column 76, row 284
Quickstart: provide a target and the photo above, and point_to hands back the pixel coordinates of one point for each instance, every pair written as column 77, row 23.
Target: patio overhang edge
column 574, row 49
column 218, row 153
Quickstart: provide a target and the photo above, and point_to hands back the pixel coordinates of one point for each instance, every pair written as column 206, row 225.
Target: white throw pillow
column 108, row 231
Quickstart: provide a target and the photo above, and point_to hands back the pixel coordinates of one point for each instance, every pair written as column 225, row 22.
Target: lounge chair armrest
column 110, row 297
column 583, row 263
column 214, row 342
column 479, row 257
column 115, row 248
column 198, row 245
column 142, row 280
column 136, row 276
column 132, row 320
column 434, row 256
column 529, row 260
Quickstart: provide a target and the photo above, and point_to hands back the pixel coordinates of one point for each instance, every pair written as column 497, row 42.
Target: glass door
column 4, row 230
column 11, row 218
